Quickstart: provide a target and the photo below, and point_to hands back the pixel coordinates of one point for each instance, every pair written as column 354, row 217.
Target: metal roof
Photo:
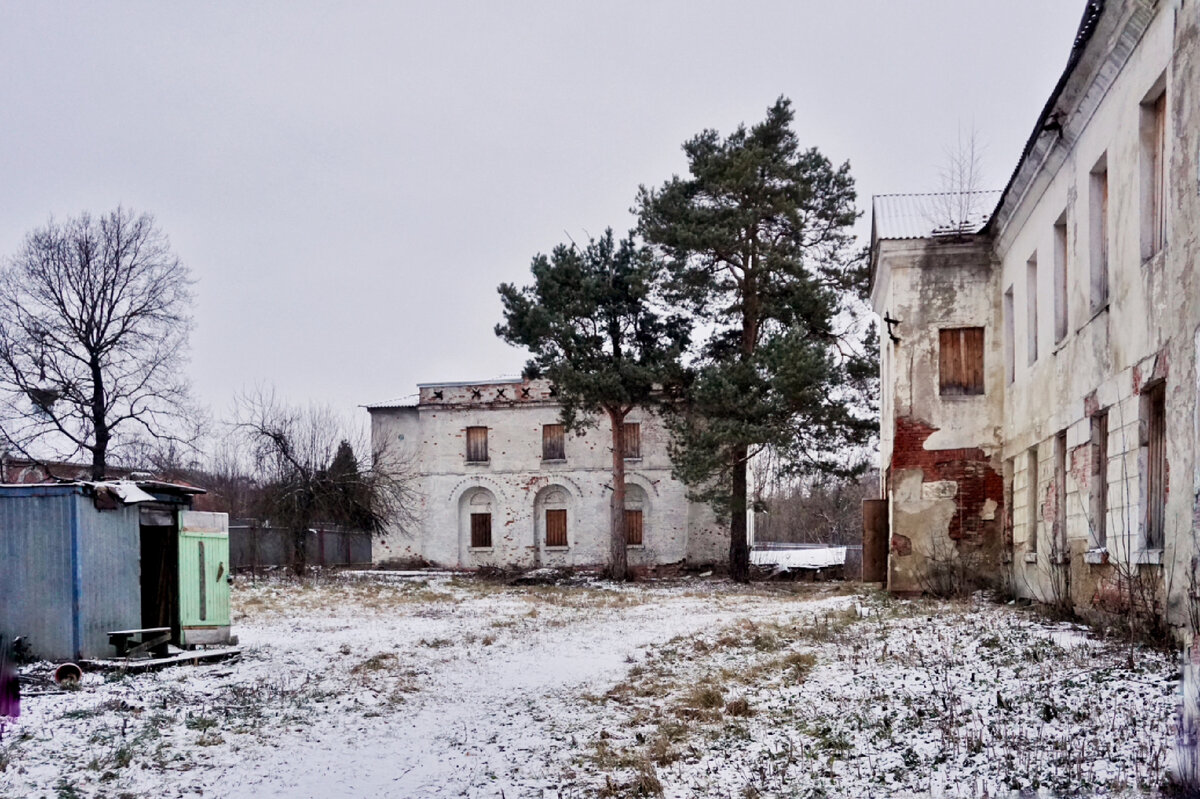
column 387, row 405
column 918, row 216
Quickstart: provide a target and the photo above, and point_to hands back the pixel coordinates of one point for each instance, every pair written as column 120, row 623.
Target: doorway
column 160, row 569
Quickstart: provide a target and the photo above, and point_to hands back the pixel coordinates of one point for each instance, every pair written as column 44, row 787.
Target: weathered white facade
column 1091, row 317
column 522, row 486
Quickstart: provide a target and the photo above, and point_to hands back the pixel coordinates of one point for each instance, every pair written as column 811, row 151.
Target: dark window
column 1031, row 475
column 633, row 527
column 477, row 444
column 631, row 440
column 1156, row 464
column 481, row 529
column 1098, row 218
column 554, row 446
column 556, row 527
column 1061, row 322
column 1059, row 545
column 960, row 360
column 1099, row 487
column 1031, row 309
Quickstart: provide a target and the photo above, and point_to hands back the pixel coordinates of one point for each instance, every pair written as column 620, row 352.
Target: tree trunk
column 739, row 547
column 618, row 566
column 99, row 423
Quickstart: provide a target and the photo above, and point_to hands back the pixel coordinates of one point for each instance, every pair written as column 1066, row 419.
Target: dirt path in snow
column 498, row 723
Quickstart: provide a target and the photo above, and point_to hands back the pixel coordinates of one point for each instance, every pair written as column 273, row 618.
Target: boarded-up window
column 961, row 360
column 1156, row 464
column 477, row 444
column 556, row 527
column 481, row 529
column 633, row 527
column 553, row 442
column 631, row 440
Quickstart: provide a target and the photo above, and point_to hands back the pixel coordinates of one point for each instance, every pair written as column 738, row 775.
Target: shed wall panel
column 110, row 560
column 35, row 572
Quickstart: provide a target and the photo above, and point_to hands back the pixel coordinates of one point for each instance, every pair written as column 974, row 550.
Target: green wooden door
column 203, row 577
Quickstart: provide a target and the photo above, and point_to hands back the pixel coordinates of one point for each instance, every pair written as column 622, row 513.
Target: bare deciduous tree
column 961, row 205
column 93, row 339
column 308, row 467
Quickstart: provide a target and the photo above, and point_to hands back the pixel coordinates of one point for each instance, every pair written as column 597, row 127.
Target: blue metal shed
column 71, row 563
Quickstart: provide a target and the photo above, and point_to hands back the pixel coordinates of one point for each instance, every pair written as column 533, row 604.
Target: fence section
column 253, row 546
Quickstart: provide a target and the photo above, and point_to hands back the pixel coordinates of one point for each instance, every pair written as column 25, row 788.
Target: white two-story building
column 501, row 483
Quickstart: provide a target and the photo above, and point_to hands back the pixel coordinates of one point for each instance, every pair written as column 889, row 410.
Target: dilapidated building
column 1039, row 361
column 501, row 483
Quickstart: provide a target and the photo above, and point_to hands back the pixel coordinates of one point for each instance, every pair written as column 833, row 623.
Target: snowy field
column 410, row 685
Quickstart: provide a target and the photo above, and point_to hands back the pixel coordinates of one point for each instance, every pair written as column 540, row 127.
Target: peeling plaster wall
column 941, row 470
column 674, row 529
column 1147, row 332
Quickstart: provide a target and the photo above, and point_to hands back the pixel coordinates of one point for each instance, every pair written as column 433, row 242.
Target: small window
column 481, row 530
column 477, row 440
column 1059, row 537
column 1154, row 446
column 1098, row 236
column 1154, row 172
column 961, row 361
column 1031, row 475
column 556, row 527
column 631, row 440
column 1099, row 480
column 553, row 442
column 1031, row 309
column 1061, row 323
column 633, row 528
column 1010, row 358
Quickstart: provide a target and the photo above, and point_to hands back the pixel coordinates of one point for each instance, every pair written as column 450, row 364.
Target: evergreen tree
column 592, row 324
column 757, row 244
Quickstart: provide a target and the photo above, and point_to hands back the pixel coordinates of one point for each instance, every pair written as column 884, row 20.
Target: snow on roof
column 399, row 402
column 918, row 216
column 494, row 381
column 807, row 558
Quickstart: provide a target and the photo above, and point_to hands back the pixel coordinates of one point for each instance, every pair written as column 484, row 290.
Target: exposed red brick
column 901, row 545
column 970, row 467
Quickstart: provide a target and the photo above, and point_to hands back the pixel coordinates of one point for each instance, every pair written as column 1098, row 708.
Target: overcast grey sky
column 349, row 182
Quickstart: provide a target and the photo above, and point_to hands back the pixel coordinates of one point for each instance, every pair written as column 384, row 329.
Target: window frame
column 631, row 453
column 559, row 529
column 553, row 450
column 972, row 377
column 630, row 514
column 473, row 453
column 481, row 530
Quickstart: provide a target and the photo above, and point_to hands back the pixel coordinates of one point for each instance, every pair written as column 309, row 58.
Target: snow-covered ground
column 436, row 685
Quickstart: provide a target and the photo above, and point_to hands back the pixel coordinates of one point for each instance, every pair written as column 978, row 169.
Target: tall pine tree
column 593, row 325
column 757, row 244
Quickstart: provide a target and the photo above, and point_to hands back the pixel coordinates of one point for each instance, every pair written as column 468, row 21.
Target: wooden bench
column 133, row 643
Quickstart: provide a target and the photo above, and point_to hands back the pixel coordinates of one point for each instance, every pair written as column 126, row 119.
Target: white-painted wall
column 432, row 436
